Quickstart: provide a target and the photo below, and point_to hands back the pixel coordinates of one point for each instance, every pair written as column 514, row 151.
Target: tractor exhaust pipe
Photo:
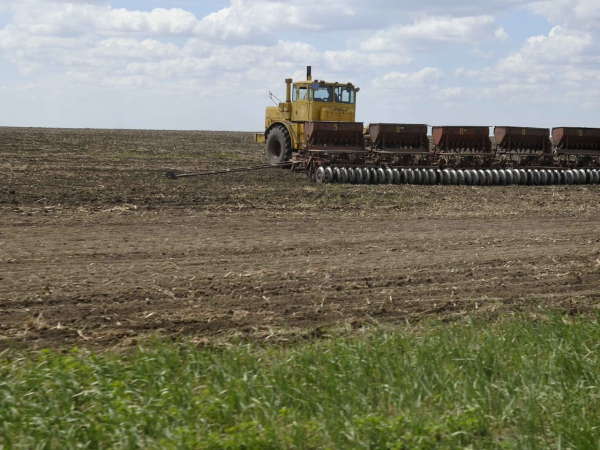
column 308, row 73
column 288, row 90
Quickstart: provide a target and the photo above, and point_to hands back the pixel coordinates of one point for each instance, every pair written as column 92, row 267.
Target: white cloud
column 435, row 30
column 242, row 20
column 583, row 14
column 563, row 66
column 541, row 56
column 427, row 77
column 501, row 34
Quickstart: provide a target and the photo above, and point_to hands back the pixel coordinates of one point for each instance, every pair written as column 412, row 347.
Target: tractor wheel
column 279, row 145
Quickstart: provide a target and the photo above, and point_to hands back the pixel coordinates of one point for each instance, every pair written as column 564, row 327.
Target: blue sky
column 210, row 64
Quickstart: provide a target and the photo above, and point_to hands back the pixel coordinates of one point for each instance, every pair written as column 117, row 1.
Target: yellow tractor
column 317, row 119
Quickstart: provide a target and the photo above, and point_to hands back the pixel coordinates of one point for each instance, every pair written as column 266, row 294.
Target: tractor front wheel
column 279, row 145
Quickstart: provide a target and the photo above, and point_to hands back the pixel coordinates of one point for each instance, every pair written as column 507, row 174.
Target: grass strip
column 516, row 384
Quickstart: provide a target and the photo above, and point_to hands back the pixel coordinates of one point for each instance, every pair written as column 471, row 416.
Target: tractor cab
column 318, row 100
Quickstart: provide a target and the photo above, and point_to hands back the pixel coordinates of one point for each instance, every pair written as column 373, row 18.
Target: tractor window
column 302, row 93
column 294, row 93
column 322, row 93
column 344, row 94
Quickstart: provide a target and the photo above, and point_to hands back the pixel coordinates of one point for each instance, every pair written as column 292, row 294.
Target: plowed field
column 99, row 249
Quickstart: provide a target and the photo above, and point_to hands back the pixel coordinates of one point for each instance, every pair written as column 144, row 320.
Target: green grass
column 518, row 384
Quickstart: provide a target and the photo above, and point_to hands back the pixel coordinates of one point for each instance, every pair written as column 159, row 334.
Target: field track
column 99, row 249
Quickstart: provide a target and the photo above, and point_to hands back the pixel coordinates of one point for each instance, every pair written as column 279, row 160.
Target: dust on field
column 98, row 248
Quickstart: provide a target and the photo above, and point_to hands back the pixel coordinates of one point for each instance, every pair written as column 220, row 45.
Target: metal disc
column 422, row 177
column 432, row 176
column 475, row 180
column 543, row 178
column 569, row 177
column 342, row 175
column 380, row 176
column 445, row 176
column 374, row 176
column 373, row 171
column 320, row 176
column 453, row 177
column 358, row 176
column 410, row 176
column 395, row 176
column 587, row 176
column 516, row 173
column 502, row 177
column 351, row 178
column 523, row 175
column 575, row 175
column 460, row 175
column 496, row 177
column 596, row 176
column 328, row 175
column 366, row 175
column 468, row 177
column 428, row 175
column 403, row 176
column 558, row 177
column 389, row 176
column 337, row 175
column 487, row 179
column 510, row 176
column 582, row 177
column 347, row 174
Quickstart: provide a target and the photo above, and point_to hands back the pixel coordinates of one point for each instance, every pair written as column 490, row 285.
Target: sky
column 210, row 65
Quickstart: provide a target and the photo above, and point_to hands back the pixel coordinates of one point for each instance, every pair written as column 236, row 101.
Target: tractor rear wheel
column 279, row 145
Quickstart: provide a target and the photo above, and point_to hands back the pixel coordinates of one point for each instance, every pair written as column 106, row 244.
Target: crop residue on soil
column 98, row 248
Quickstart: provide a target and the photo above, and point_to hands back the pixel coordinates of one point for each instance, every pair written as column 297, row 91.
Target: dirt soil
column 98, row 249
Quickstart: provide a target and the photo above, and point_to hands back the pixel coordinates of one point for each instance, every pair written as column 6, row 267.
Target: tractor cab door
column 301, row 103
